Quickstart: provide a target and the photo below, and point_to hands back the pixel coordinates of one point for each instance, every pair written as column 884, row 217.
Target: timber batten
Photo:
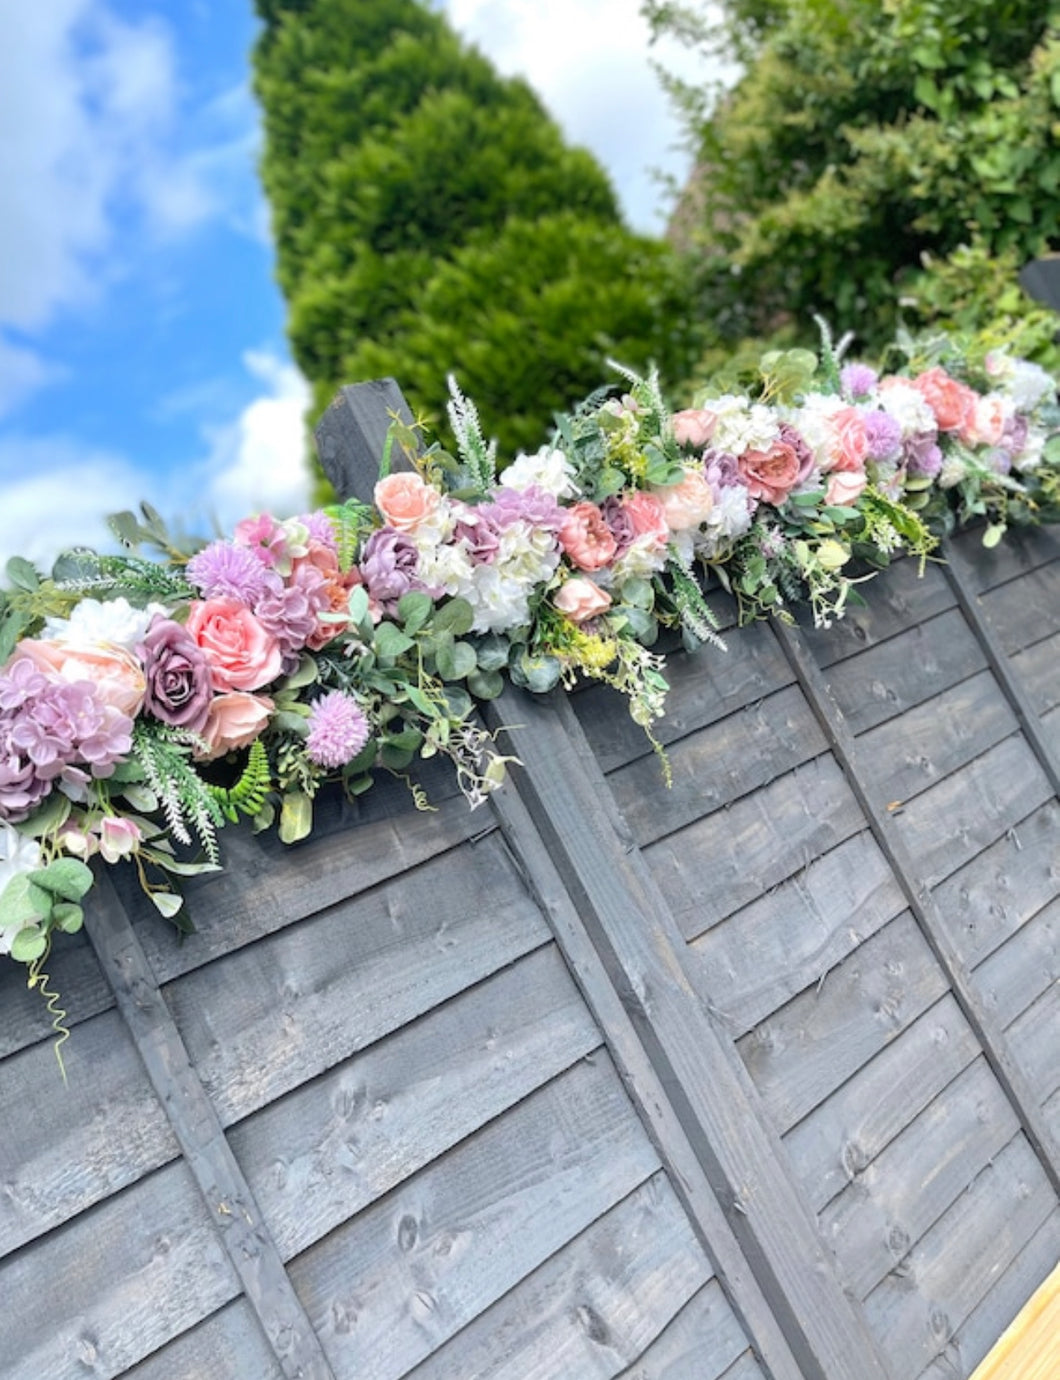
column 752, row 1078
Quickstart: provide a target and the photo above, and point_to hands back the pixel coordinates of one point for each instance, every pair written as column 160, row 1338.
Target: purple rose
column 389, row 565
column 619, row 524
column 803, row 453
column 179, row 688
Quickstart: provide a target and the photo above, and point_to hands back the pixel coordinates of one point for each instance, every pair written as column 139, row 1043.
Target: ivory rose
column 580, row 599
column 233, row 721
column 240, row 653
column 848, row 440
column 844, row 487
column 953, row 403
column 586, row 537
column 770, row 474
column 405, row 501
column 116, row 675
column 694, row 427
column 688, row 503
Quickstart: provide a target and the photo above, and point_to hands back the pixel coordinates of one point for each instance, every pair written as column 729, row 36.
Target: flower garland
column 147, row 702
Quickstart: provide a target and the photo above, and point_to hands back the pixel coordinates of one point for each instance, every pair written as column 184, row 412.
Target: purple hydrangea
column 177, row 674
column 224, row 570
column 858, row 380
column 338, row 730
column 290, row 611
column 533, row 504
column 320, row 528
column 884, row 434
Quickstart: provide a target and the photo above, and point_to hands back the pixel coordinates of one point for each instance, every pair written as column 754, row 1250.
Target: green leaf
column 638, row 594
column 485, row 685
column 455, row 617
column 414, row 608
column 395, row 758
column 358, row 604
column 993, row 534
column 408, row 739
column 536, row 673
column 29, row 944
column 66, row 877
column 77, row 564
column 23, row 574
column 491, row 652
column 458, row 701
column 456, row 662
column 22, row 902
column 140, row 797
column 52, row 815
column 167, row 903
column 296, row 817
column 68, row 916
column 390, row 642
column 305, row 674
column 125, row 527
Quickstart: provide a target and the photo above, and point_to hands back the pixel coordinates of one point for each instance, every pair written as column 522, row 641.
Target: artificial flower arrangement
column 145, row 702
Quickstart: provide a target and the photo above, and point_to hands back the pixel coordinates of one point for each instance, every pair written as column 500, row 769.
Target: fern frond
column 250, row 792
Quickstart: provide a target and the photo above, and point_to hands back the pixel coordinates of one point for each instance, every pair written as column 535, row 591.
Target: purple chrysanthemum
column 338, row 730
column 224, row 570
column 884, row 434
column 858, row 380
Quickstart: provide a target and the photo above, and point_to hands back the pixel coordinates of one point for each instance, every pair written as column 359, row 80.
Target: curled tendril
column 39, row 978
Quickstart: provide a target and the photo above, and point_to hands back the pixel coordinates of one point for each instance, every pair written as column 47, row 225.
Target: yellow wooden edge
column 1030, row 1348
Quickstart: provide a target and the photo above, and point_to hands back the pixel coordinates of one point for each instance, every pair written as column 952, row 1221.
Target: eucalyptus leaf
column 125, row 527
column 638, row 594
column 140, row 797
column 23, row 574
column 305, row 674
column 67, row 878
column 458, row 701
column 485, row 685
column 296, row 817
column 414, row 608
column 52, row 815
column 167, row 903
column 455, row 617
column 456, row 662
column 22, row 902
column 390, row 642
column 29, row 944
column 68, row 916
column 395, row 758
column 79, row 563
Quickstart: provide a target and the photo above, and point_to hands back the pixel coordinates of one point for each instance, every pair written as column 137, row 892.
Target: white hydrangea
column 952, row 472
column 642, row 559
column 527, row 553
column 1029, row 385
column 17, row 854
column 741, row 425
column 548, row 468
column 499, row 601
column 909, row 408
column 729, row 518
column 111, row 620
column 1030, row 457
column 813, row 423
column 447, row 566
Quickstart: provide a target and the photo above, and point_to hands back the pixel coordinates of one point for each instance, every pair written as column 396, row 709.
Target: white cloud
column 591, row 63
column 22, row 372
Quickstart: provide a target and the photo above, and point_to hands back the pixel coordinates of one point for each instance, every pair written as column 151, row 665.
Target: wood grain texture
column 300, row 1001
column 75, row 974
column 1023, row 968
column 957, row 818
column 1030, row 1347
column 928, row 743
column 595, row 1306
column 811, row 1046
column 774, row 948
column 845, row 1134
column 389, row 1288
column 717, row 765
column 986, row 901
column 892, row 1202
column 1024, row 549
column 120, row 1281
column 917, row 1309
column 735, row 855
column 913, row 666
column 1036, row 669
column 227, row 1346
column 1024, row 610
column 69, row 1147
column 898, row 599
column 336, row 1144
column 351, row 435
column 702, row 1335
column 1035, row 1040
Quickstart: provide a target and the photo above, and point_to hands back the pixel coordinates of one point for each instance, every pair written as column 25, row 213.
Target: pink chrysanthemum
column 223, row 570
column 338, row 730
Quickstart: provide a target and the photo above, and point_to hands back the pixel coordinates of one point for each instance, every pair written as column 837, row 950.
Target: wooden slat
column 341, row 1141
column 1022, row 969
column 735, row 855
column 386, row 1290
column 774, row 948
column 921, row 1304
column 702, row 1335
column 596, row 1305
column 1030, row 1347
column 300, row 1001
column 1035, row 668
column 899, row 599
column 64, row 1148
column 1035, row 1040
column 893, row 1201
column 227, row 1346
column 117, row 1283
column 807, row 1049
column 845, row 1134
column 1024, row 549
column 909, row 668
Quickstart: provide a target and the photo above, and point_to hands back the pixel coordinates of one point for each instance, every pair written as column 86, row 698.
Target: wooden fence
column 756, row 1077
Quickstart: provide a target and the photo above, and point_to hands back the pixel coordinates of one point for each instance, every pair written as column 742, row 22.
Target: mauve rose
column 694, row 427
column 586, row 537
column 580, row 599
column 233, row 721
column 805, row 456
column 389, row 566
column 770, row 474
column 178, row 675
column 619, row 524
column 240, row 653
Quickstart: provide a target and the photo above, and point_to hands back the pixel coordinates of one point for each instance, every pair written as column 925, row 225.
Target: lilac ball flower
column 338, row 730
column 224, row 570
column 179, row 688
column 858, row 380
column 884, row 434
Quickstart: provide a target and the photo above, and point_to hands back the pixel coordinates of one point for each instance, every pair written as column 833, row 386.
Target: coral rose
column 845, row 487
column 645, row 512
column 953, row 403
column 233, row 721
column 580, row 599
column 686, row 504
column 117, row 676
column 586, row 537
column 770, row 474
column 240, row 653
column 694, row 427
column 405, row 501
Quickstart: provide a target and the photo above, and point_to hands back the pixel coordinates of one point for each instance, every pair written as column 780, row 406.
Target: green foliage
column 430, row 219
column 863, row 140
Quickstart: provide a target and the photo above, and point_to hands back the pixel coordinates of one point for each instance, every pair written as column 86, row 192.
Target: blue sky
column 142, row 349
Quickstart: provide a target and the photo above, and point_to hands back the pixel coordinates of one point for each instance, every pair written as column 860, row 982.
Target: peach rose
column 586, row 537
column 694, row 427
column 686, row 504
column 337, row 586
column 580, row 599
column 845, row 487
column 953, row 403
column 405, row 501
column 770, row 474
column 240, row 653
column 986, row 425
column 117, row 675
column 233, row 721
column 646, row 514
column 848, row 440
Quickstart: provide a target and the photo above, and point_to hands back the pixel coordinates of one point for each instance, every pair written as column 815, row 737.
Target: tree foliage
column 863, row 140
column 430, row 218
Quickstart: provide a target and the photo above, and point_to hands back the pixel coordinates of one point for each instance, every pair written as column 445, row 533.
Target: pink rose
column 233, row 721
column 645, row 512
column 116, row 674
column 848, row 440
column 405, row 501
column 986, row 425
column 580, row 599
column 770, row 474
column 686, row 504
column 586, row 537
column 953, row 403
column 845, row 487
column 694, row 427
column 240, row 653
